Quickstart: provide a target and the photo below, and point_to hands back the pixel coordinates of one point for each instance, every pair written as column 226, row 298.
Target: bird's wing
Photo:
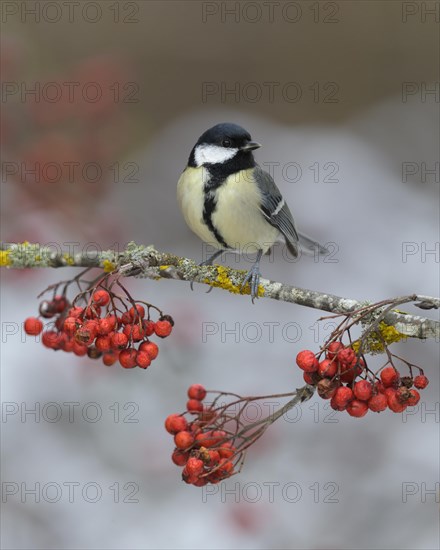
column 275, row 209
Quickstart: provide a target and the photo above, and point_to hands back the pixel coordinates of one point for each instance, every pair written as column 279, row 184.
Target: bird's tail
column 310, row 246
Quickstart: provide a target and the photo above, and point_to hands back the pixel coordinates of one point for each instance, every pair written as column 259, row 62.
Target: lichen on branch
column 145, row 261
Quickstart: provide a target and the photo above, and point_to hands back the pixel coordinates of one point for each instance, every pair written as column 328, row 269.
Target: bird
column 230, row 202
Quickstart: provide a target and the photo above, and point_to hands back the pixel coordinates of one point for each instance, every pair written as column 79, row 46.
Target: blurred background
column 101, row 105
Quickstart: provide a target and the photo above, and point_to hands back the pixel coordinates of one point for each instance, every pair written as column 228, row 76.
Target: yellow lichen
column 68, row 259
column 223, row 280
column 108, row 266
column 5, row 260
column 355, row 345
column 377, row 340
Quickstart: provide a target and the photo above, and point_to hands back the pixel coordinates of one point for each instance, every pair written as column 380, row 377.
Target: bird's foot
column 253, row 278
column 207, row 262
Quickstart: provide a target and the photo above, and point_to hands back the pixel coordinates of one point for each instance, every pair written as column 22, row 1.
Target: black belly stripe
column 209, row 207
column 218, row 174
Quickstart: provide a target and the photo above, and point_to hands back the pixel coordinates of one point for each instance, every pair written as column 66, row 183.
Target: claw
column 208, row 262
column 253, row 277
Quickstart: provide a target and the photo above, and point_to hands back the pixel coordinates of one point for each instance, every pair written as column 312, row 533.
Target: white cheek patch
column 213, row 154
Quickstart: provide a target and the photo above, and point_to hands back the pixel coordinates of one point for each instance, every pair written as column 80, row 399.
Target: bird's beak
column 250, row 145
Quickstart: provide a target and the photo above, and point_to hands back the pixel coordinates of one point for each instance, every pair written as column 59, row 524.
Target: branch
column 146, row 261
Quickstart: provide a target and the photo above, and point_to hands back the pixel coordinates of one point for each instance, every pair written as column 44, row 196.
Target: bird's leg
column 253, row 277
column 208, row 262
column 212, row 258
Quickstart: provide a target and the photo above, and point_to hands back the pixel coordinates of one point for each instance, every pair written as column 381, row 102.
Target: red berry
column 346, row 357
column 226, row 450
column 109, row 358
column 135, row 332
column 148, row 327
column 183, row 440
column 389, row 377
column 70, row 325
column 308, row 378
column 175, row 423
column 101, row 297
column 59, row 323
column 179, row 457
column 162, row 328
column 92, row 325
column 421, row 381
column 84, row 335
column 103, row 343
column 127, row 358
column 33, row 326
column 187, row 478
column 335, row 406
column 357, row 408
column 143, row 360
column 196, row 391
column 68, row 345
column 327, row 368
column 75, row 312
column 126, row 318
column 350, row 372
column 226, row 469
column 59, row 303
column 403, row 395
column 119, row 340
column 79, row 349
column 414, row 398
column 378, row 402
column 307, row 361
column 363, row 390
column 342, row 396
column 201, row 482
column 151, row 348
column 393, row 401
column 211, row 457
column 211, row 438
column 106, row 325
column 137, row 313
column 92, row 312
column 207, row 415
column 194, row 467
column 50, row 339
column 389, row 391
column 333, row 349
column 194, row 406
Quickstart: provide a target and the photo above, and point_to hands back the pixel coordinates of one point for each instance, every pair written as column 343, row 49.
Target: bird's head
column 222, row 144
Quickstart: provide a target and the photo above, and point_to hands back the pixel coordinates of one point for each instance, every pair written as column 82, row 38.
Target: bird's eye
column 226, row 143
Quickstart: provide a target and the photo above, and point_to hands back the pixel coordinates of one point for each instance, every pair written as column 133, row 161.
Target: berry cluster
column 100, row 329
column 344, row 378
column 206, row 452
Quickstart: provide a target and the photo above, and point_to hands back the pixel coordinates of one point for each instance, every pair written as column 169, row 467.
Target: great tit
column 231, row 203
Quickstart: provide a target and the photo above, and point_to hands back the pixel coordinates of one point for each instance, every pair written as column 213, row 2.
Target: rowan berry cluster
column 204, row 446
column 344, row 377
column 108, row 326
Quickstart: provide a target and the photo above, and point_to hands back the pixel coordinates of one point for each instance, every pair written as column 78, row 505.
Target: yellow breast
column 238, row 216
column 191, row 200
